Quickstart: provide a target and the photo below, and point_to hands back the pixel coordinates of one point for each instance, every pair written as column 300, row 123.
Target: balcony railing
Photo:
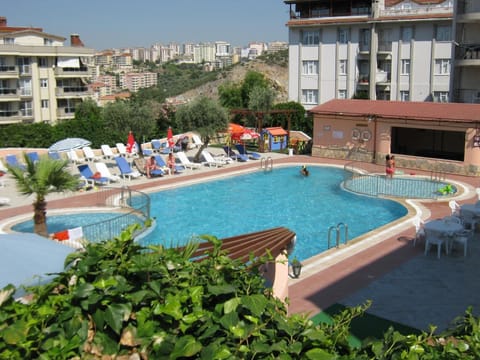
column 417, row 11
column 71, row 91
column 81, row 71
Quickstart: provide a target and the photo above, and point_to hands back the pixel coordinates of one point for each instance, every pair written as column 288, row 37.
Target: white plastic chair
column 107, row 151
column 454, row 207
column 186, row 161
column 74, row 158
column 419, row 229
column 435, row 238
column 105, row 172
column 89, row 154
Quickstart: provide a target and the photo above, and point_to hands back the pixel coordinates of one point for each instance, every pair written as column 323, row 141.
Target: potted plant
column 296, row 267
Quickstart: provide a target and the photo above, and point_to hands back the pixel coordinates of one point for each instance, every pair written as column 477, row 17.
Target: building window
column 364, row 40
column 43, row 83
column 311, row 37
column 342, row 94
column 310, row 97
column 42, row 62
column 440, row 96
column 343, row 36
column 9, row 41
column 310, row 67
column 407, row 33
column 405, row 67
column 443, row 33
column 44, row 104
column 442, row 66
column 47, row 42
column 26, row 108
column 342, row 67
column 404, row 95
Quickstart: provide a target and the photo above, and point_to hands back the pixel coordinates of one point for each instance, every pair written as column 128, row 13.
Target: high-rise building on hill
column 41, row 80
column 376, row 49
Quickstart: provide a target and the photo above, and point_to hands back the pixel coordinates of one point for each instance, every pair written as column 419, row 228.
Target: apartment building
column 466, row 79
column 375, row 49
column 41, row 79
column 136, row 81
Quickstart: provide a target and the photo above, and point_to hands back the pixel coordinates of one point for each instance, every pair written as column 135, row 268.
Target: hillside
column 278, row 76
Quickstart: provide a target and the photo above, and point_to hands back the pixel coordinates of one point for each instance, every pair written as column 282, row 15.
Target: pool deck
column 405, row 285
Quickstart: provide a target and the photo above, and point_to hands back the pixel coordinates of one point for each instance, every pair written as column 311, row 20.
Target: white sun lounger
column 186, row 161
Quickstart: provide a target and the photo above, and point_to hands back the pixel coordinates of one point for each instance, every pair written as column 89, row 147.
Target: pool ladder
column 337, row 234
column 266, row 164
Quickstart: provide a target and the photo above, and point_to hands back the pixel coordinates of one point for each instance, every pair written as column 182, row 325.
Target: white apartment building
column 204, row 52
column 136, row 81
column 466, row 79
column 376, row 49
column 41, row 80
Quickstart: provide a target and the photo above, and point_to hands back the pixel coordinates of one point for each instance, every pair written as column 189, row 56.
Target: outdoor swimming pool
column 258, row 201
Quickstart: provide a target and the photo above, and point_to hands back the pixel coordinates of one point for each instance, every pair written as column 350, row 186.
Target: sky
column 104, row 24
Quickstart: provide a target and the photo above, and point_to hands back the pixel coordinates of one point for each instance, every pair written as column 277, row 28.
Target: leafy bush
column 119, row 299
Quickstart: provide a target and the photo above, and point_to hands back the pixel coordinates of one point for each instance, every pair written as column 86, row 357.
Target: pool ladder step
column 337, row 229
column 266, row 164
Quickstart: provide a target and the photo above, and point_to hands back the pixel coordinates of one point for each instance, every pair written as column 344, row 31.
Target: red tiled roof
column 276, row 131
column 458, row 112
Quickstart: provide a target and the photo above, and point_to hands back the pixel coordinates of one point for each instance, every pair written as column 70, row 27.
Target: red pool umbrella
column 171, row 142
column 236, row 131
column 130, row 142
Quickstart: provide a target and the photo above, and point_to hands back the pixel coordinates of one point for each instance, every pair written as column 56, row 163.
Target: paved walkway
column 405, row 285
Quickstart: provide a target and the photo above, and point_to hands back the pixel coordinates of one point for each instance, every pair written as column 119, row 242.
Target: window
column 443, row 33
column 364, row 39
column 405, row 67
column 343, row 36
column 42, row 62
column 310, row 67
column 406, row 33
column 342, row 94
column 311, row 37
column 26, row 108
column 442, row 66
column 440, row 96
column 47, row 42
column 342, row 67
column 9, row 41
column 25, row 87
column 310, row 97
column 43, row 83
column 44, row 104
column 404, row 95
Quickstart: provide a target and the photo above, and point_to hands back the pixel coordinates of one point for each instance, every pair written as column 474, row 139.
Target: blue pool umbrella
column 69, row 144
column 27, row 259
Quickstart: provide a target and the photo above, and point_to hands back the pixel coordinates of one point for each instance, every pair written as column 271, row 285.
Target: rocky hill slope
column 276, row 74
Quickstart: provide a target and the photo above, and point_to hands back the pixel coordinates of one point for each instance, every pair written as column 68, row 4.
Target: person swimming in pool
column 304, row 171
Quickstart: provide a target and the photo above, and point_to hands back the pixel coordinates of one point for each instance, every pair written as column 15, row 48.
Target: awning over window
column 66, row 62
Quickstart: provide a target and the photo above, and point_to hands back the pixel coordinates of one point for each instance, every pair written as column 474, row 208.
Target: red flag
column 130, row 142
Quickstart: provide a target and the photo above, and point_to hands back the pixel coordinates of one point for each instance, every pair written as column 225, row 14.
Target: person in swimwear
column 389, row 166
column 304, row 171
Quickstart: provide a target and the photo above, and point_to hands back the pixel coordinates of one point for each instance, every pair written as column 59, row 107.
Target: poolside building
column 376, row 49
column 41, row 80
column 444, row 137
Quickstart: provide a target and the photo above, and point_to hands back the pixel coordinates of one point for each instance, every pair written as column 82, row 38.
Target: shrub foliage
column 120, row 300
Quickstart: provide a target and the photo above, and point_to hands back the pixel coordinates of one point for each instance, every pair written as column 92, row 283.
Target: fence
column 133, row 207
column 369, row 179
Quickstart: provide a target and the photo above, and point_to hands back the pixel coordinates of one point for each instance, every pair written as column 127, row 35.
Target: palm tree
column 41, row 178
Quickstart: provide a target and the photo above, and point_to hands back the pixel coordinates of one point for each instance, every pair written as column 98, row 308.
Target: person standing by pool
column 389, row 166
column 171, row 163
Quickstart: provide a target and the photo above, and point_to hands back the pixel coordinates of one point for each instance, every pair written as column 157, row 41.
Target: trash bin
column 290, row 152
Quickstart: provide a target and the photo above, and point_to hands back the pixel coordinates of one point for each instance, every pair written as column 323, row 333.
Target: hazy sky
column 104, row 24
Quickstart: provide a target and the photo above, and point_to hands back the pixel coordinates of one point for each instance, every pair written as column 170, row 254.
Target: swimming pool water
column 309, row 206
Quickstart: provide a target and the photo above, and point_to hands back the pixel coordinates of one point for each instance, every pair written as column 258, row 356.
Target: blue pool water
column 258, row 201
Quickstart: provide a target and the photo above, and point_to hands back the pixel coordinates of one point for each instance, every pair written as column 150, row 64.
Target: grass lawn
column 363, row 327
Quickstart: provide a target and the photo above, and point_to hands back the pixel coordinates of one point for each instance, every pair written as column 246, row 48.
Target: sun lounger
column 54, row 155
column 107, row 151
column 185, row 161
column 74, row 158
column 92, row 178
column 4, row 200
column 210, row 160
column 126, row 170
column 103, row 169
column 163, row 165
column 140, row 164
column 12, row 161
column 89, row 154
column 197, row 142
column 33, row 156
column 234, row 155
column 243, row 150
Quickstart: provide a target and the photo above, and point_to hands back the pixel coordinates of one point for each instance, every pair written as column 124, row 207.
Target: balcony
column 382, row 77
column 8, row 71
column 67, row 112
column 71, row 91
column 467, row 55
column 9, row 94
column 10, row 116
column 468, row 10
column 71, row 72
column 311, row 10
column 470, row 96
column 363, row 80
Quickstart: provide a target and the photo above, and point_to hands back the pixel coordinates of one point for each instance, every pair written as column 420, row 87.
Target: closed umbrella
column 171, row 142
column 69, row 144
column 130, row 142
